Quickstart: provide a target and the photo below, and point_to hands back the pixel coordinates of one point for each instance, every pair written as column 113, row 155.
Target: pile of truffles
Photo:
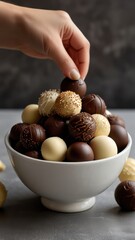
column 69, row 125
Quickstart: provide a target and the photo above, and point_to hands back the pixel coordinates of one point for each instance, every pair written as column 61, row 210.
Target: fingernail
column 74, row 74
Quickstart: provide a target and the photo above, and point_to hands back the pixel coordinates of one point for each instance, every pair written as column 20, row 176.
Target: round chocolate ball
column 82, row 127
column 79, row 151
column 77, row 86
column 32, row 136
column 120, row 136
column 125, row 195
column 16, row 131
column 93, row 103
column 33, row 154
column 55, row 126
column 116, row 120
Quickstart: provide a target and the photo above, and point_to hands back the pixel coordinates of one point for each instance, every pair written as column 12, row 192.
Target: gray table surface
column 23, row 216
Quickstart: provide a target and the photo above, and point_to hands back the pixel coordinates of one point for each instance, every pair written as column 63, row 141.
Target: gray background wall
column 110, row 27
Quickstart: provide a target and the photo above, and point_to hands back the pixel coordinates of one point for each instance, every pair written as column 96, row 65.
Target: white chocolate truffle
column 102, row 125
column 103, row 147
column 3, row 194
column 46, row 102
column 30, row 114
column 128, row 171
column 68, row 104
column 54, row 149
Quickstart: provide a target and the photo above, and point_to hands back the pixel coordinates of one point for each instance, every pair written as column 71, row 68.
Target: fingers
column 64, row 61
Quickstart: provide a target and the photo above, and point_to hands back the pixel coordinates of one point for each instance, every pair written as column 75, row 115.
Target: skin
column 45, row 34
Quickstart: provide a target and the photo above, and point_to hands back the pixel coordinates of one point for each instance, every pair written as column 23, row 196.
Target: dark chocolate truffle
column 116, row 120
column 16, row 131
column 32, row 136
column 120, row 136
column 93, row 103
column 77, row 86
column 82, row 127
column 55, row 126
column 79, row 151
column 33, row 154
column 125, row 195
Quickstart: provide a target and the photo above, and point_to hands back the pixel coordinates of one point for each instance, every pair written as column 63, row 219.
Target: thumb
column 65, row 62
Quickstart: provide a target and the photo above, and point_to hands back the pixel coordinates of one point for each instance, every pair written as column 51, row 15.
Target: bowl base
column 68, row 207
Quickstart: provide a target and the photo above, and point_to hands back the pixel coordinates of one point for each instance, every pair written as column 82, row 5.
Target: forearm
column 10, row 21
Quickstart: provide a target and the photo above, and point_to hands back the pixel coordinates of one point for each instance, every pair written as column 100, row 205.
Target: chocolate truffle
column 77, row 86
column 120, row 136
column 33, row 154
column 55, row 126
column 16, row 131
column 125, row 195
column 30, row 114
column 102, row 125
column 54, row 149
column 128, row 171
column 46, row 102
column 82, row 127
column 68, row 104
column 79, row 151
column 103, row 147
column 32, row 136
column 116, row 120
column 93, row 103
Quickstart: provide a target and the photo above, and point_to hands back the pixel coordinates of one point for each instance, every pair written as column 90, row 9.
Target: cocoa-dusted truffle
column 77, row 86
column 55, row 126
column 79, row 151
column 68, row 104
column 125, row 195
column 120, row 136
column 93, row 103
column 32, row 136
column 116, row 120
column 82, row 127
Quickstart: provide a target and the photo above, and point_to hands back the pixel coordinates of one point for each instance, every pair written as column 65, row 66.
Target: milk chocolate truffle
column 16, row 131
column 120, row 136
column 33, row 154
column 68, row 104
column 79, row 151
column 54, row 149
column 32, row 136
column 55, row 126
column 30, row 114
column 103, row 147
column 82, row 127
column 46, row 102
column 77, row 86
column 125, row 195
column 128, row 171
column 93, row 103
column 102, row 125
column 116, row 120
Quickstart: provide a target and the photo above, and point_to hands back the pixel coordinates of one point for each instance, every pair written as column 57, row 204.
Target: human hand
column 53, row 35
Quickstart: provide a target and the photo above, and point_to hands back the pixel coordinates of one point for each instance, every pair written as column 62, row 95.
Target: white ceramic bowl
column 67, row 187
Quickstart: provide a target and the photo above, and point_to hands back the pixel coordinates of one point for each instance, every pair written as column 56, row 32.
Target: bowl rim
column 7, row 143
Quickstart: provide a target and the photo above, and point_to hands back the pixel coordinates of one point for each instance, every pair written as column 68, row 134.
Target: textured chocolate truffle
column 120, row 136
column 116, row 120
column 32, row 136
column 68, row 104
column 77, row 86
column 16, row 131
column 82, row 127
column 55, row 126
column 79, row 151
column 93, row 103
column 125, row 195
